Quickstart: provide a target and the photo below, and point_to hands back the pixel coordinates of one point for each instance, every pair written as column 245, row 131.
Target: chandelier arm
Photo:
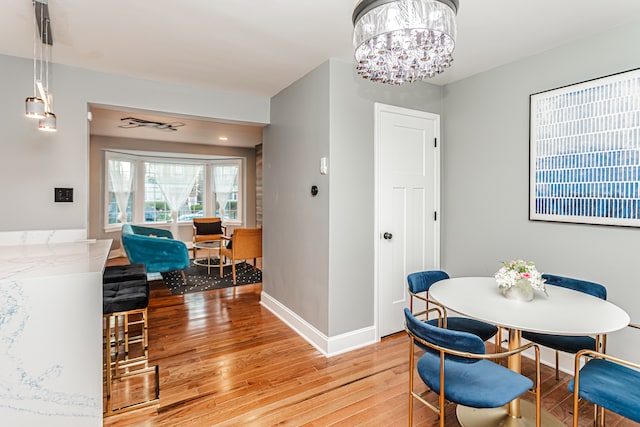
column 365, row 6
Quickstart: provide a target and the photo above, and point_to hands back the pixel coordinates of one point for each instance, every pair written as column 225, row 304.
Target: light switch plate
column 324, row 166
column 63, row 195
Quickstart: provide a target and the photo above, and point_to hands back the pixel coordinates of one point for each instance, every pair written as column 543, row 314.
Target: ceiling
column 260, row 47
column 108, row 122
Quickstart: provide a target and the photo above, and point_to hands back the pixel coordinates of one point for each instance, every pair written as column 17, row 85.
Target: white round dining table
column 561, row 311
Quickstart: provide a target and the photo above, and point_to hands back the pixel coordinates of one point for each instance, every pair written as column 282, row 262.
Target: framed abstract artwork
column 584, row 161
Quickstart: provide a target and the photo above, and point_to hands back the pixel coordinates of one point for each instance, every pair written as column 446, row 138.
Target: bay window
column 147, row 190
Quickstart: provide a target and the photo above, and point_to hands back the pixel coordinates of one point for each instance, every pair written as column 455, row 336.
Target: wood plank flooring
column 227, row 361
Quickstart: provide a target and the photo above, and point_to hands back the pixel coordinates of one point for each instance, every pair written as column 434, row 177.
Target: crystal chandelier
column 40, row 105
column 398, row 41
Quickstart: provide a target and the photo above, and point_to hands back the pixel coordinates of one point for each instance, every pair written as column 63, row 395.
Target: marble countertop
column 19, row 262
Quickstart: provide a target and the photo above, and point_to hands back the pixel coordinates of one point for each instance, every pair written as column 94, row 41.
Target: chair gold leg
column 107, row 365
column 146, row 337
column 441, row 399
column 411, row 359
column 126, row 336
column 116, row 339
column 576, row 392
column 114, row 366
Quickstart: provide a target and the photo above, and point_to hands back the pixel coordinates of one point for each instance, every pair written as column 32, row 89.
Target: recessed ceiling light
column 223, row 138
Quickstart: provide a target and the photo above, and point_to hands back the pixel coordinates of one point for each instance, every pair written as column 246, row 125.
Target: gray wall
column 296, row 225
column 351, row 174
column 323, row 268
column 485, row 174
column 98, row 144
column 34, row 162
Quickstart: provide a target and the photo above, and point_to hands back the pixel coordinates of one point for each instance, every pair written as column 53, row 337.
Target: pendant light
column 34, row 105
column 40, row 105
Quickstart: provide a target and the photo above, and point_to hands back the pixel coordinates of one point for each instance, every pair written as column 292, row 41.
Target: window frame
column 111, row 155
column 241, row 190
column 140, row 159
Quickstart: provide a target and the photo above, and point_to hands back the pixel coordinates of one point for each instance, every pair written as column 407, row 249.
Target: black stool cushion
column 125, row 296
column 121, row 273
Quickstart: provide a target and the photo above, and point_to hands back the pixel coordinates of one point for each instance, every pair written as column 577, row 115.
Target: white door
column 407, row 196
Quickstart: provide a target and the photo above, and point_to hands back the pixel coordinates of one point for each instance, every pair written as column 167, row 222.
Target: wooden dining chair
column 243, row 244
column 570, row 344
column 608, row 382
column 457, row 369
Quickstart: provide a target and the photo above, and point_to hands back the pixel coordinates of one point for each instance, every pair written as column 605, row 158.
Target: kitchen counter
column 51, row 333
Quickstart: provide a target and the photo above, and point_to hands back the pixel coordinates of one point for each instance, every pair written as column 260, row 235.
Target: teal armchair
column 155, row 248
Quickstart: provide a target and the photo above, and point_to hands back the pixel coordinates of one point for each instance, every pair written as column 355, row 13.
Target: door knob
column 387, row 236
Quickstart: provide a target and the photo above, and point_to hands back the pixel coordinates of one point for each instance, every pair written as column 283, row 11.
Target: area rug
column 199, row 280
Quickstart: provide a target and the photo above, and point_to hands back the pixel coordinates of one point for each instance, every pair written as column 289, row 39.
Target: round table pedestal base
column 494, row 417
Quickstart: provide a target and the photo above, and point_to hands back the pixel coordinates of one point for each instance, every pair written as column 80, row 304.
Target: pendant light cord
column 35, row 30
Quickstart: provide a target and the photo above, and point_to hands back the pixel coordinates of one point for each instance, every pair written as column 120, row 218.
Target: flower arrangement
column 519, row 273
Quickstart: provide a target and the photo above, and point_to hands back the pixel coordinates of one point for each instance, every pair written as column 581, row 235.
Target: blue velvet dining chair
column 419, row 284
column 569, row 344
column 456, row 368
column 608, row 382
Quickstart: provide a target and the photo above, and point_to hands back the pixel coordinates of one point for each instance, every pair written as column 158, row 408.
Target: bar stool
column 123, row 273
column 125, row 302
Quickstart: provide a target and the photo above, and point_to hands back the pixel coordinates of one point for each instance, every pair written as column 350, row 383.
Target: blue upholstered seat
column 469, row 381
column 483, row 384
column 568, row 344
column 422, row 281
column 155, row 248
column 612, row 386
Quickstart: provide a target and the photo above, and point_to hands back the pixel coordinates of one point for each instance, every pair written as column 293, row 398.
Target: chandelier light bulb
column 399, row 41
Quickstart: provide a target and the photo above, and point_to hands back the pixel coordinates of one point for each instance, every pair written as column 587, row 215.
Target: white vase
column 521, row 291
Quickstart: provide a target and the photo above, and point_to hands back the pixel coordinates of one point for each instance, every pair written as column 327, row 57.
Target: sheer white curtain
column 225, row 178
column 176, row 182
column 121, row 180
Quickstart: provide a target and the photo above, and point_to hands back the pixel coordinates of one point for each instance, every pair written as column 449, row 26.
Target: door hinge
column 435, row 215
column 435, row 142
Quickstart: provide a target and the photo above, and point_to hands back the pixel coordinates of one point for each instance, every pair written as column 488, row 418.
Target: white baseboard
column 328, row 346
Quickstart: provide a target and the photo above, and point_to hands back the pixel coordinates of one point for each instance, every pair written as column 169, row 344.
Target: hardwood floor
column 227, row 361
